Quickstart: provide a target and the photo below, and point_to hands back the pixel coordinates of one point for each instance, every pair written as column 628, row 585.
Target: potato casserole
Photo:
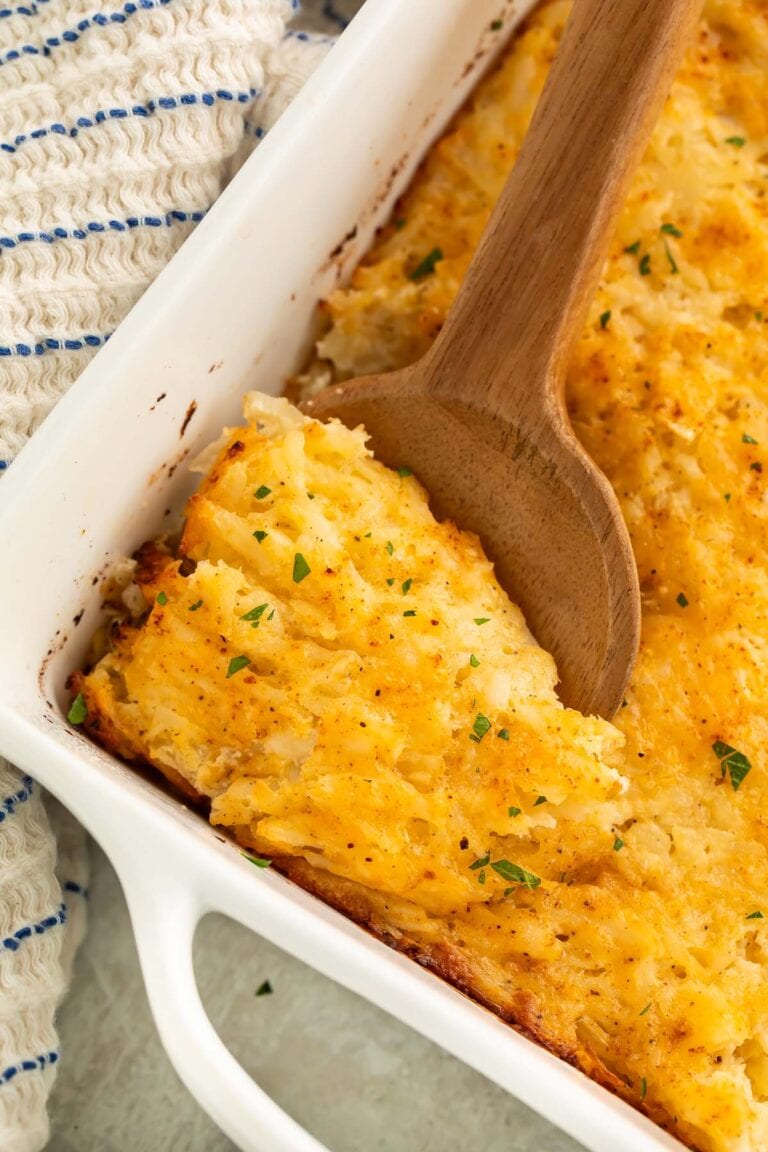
column 342, row 678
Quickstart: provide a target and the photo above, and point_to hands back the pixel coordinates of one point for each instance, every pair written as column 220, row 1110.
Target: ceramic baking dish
column 234, row 310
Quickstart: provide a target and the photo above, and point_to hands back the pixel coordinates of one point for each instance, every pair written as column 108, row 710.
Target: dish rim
column 110, row 798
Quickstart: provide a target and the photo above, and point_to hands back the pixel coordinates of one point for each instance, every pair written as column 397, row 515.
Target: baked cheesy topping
column 343, row 677
column 347, row 683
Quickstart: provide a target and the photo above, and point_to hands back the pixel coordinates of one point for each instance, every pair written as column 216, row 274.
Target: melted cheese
column 367, row 714
column 345, row 743
column 668, row 390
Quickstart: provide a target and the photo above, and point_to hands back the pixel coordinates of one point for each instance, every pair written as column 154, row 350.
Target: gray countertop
column 359, row 1080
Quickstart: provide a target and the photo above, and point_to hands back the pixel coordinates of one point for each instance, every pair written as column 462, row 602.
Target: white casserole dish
column 234, row 311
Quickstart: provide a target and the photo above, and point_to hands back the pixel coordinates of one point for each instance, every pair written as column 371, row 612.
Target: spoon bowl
column 481, row 418
column 548, row 517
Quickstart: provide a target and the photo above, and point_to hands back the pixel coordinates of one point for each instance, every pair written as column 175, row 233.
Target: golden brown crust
column 151, row 560
column 646, row 959
column 99, row 726
column 452, row 966
column 166, row 695
column 444, row 961
column 177, row 781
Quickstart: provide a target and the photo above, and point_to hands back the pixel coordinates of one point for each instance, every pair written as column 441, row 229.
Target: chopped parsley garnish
column 645, row 265
column 236, row 664
column 162, row 599
column 482, row 619
column 539, row 800
column 410, row 612
column 482, row 862
column 254, row 616
column 300, row 568
column 310, row 495
column 264, row 989
column 670, row 257
column 736, row 763
column 481, row 878
column 259, row 861
column 503, row 734
column 404, row 472
column 481, row 725
column 497, row 25
column 406, row 585
column 426, row 266
column 618, row 844
column 514, row 811
column 390, row 580
column 262, row 492
column 260, row 535
column 368, row 535
column 737, row 141
column 194, row 607
column 604, row 318
column 270, row 615
column 78, row 710
column 633, row 249
column 671, row 230
column 643, row 1088
column 514, row 874
column 756, row 466
column 647, row 1009
column 473, row 661
column 756, row 916
column 390, row 547
column 727, row 497
column 747, row 439
column 400, row 223
column 682, row 600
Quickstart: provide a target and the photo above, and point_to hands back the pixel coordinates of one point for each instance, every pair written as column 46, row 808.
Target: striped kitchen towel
column 120, row 124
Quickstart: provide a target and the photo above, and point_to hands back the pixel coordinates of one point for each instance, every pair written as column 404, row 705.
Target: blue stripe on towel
column 31, row 1065
column 10, row 803
column 308, row 37
column 72, row 35
column 50, row 344
column 51, row 235
column 142, row 111
column 330, row 13
column 31, row 9
column 13, row 942
column 73, row 886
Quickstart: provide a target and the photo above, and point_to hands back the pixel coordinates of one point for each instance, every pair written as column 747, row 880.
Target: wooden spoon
column 481, row 418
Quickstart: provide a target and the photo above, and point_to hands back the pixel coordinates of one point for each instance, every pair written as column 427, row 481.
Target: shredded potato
column 603, row 887
column 351, row 683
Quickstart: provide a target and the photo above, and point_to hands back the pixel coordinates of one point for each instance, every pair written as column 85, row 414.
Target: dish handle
column 164, row 918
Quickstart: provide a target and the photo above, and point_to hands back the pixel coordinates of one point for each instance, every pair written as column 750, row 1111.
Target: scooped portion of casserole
column 344, row 680
column 657, row 977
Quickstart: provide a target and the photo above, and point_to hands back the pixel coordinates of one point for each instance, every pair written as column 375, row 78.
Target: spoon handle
column 523, row 304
